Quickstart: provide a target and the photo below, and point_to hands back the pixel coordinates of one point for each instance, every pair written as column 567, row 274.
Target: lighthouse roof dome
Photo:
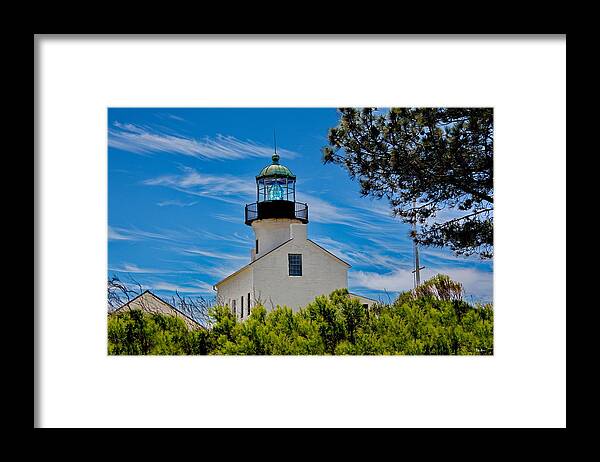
column 275, row 170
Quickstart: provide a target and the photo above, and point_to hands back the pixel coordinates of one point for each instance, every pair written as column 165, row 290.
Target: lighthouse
column 286, row 268
column 275, row 210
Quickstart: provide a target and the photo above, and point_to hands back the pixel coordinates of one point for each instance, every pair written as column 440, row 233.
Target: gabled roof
column 361, row 296
column 329, row 253
column 273, row 250
column 252, row 262
column 151, row 303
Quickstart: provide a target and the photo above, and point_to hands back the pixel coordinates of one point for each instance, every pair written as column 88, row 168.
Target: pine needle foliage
column 434, row 320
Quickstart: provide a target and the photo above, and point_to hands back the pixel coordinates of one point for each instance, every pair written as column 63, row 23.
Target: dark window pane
column 295, row 264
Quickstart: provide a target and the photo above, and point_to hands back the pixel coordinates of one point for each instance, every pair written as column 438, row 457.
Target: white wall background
column 523, row 384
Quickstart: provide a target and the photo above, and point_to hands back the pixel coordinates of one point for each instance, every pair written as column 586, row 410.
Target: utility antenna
column 418, row 268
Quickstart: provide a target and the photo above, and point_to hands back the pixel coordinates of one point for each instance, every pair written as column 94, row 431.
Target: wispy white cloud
column 189, row 287
column 134, row 234
column 140, row 139
column 374, row 219
column 447, row 257
column 217, row 272
column 169, row 116
column 377, row 207
column 217, row 255
column 227, row 218
column 236, row 239
column 363, row 255
column 175, row 203
column 225, row 188
column 242, row 189
column 476, row 283
column 204, row 287
column 179, row 236
column 322, row 211
column 174, row 117
column 132, row 268
column 198, row 287
column 114, row 235
column 394, row 281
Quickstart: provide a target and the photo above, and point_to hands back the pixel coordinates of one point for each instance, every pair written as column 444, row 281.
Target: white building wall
column 321, row 274
column 267, row 279
column 271, row 233
column 235, row 288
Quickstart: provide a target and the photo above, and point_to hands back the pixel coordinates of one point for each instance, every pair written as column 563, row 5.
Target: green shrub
column 436, row 323
column 135, row 332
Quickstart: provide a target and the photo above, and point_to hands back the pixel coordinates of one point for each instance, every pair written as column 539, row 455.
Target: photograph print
column 300, row 231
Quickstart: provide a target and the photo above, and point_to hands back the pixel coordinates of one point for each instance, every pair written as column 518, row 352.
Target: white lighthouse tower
column 275, row 209
column 286, row 268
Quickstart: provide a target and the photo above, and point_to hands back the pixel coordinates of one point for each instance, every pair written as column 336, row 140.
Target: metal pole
column 418, row 267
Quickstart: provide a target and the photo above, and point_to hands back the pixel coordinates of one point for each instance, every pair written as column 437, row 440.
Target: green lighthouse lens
column 275, row 193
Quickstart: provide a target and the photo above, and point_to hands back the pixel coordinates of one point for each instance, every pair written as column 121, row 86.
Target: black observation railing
column 276, row 209
column 301, row 211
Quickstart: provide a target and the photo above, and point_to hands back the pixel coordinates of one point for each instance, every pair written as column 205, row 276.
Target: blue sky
column 178, row 180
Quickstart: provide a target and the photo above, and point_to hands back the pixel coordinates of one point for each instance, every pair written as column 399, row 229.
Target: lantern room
column 276, row 195
column 275, row 182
